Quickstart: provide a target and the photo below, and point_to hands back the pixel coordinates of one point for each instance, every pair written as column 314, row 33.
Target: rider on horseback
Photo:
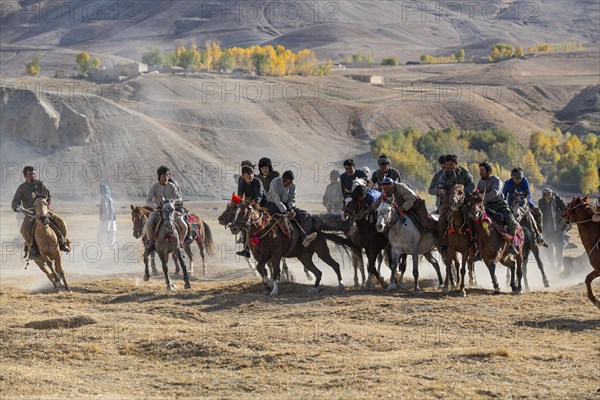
column 384, row 171
column 433, row 190
column 452, row 175
column 266, row 173
column 518, row 183
column 348, row 177
column 161, row 192
column 409, row 202
column 491, row 188
column 24, row 198
column 282, row 199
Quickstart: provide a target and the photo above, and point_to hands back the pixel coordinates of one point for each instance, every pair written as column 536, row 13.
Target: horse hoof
column 187, row 285
column 274, row 294
column 464, row 293
column 176, row 274
column 314, row 290
column 205, row 272
column 171, row 287
column 146, row 278
column 496, row 291
column 309, row 277
column 341, row 287
column 598, row 303
column 518, row 292
column 445, row 290
column 546, row 284
column 393, row 286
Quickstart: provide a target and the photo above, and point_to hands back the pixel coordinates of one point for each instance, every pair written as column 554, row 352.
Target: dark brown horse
column 580, row 212
column 202, row 236
column 493, row 247
column 460, row 240
column 522, row 213
column 271, row 239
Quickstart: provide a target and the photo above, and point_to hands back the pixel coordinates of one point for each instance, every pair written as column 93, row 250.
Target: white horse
column 405, row 238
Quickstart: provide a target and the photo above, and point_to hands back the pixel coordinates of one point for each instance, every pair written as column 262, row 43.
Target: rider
column 410, row 203
column 452, row 175
column 364, row 194
column 433, row 190
column 24, row 198
column 349, row 176
column 491, row 188
column 384, row 171
column 553, row 207
column 251, row 187
column 518, row 183
column 161, row 192
column 266, row 172
column 282, row 199
column 333, row 199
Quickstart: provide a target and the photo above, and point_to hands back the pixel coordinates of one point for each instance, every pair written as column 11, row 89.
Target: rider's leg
column 32, row 245
column 511, row 223
column 183, row 228
column 60, row 228
column 149, row 230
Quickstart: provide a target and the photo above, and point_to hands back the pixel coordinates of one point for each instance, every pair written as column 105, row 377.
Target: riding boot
column 244, row 253
column 62, row 241
column 33, row 248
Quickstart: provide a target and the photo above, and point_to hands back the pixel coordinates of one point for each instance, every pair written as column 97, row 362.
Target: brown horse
column 460, row 240
column 270, row 241
column 580, row 212
column 49, row 259
column 492, row 246
column 202, row 237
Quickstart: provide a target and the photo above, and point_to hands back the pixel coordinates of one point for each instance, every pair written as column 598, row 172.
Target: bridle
column 140, row 217
column 569, row 215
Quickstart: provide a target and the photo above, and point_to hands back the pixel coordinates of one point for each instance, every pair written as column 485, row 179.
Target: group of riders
column 276, row 193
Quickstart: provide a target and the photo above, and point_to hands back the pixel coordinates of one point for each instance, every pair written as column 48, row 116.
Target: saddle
column 284, row 224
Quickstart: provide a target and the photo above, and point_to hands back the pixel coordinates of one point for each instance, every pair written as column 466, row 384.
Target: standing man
column 553, row 207
column 433, row 190
column 282, row 199
column 350, row 175
column 491, row 185
column 333, row 199
column 518, row 183
column 24, row 198
column 384, row 171
column 452, row 175
column 108, row 223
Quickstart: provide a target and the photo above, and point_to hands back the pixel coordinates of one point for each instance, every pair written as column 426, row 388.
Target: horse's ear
column 244, row 197
column 585, row 199
column 132, row 207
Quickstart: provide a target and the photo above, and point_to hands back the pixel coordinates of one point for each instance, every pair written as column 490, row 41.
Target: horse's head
column 353, row 209
column 228, row 215
column 457, row 197
column 245, row 215
column 41, row 209
column 385, row 213
column 139, row 217
column 477, row 208
column 168, row 213
column 579, row 209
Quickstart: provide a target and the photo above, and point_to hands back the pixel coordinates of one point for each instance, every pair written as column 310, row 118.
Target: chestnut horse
column 580, row 212
column 49, row 259
column 270, row 243
column 460, row 240
column 492, row 246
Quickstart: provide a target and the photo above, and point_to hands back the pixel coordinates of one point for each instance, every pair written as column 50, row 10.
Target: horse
column 522, row 213
column 364, row 235
column 460, row 240
column 167, row 242
column 202, row 237
column 492, row 246
column 270, row 242
column 227, row 217
column 405, row 238
column 580, row 212
column 49, row 259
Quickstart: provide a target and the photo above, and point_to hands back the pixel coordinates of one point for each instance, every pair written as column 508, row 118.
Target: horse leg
column 357, row 263
column 518, row 287
column 323, row 253
column 262, row 271
column 393, row 267
column 309, row 276
column 436, row 266
column 285, row 272
column 457, row 268
column 524, row 269
column 540, row 264
column 307, row 262
column 146, row 272
column 371, row 259
column 154, row 270
column 415, row 260
column 276, row 260
column 176, row 262
column 588, row 283
column 47, row 271
column 164, row 258
column 471, row 261
column 188, row 251
column 50, row 265
column 379, row 262
column 60, row 271
column 463, row 272
column 402, row 268
column 186, row 278
column 448, row 262
column 492, row 269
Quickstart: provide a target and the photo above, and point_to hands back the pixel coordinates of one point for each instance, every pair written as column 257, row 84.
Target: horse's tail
column 209, row 245
column 344, row 245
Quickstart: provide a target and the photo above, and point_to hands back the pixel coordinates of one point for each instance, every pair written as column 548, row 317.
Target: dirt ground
column 116, row 336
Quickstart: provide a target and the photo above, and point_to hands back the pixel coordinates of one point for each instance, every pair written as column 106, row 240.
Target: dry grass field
column 116, row 336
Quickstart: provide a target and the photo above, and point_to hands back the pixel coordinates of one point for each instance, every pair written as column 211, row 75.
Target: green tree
column 153, row 57
column 227, row 61
column 460, row 56
column 260, row 62
column 83, row 63
column 393, row 61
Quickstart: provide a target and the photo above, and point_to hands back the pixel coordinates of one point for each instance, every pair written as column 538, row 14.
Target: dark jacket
column 266, row 180
column 27, row 192
column 346, row 181
column 460, row 176
column 552, row 213
column 391, row 173
column 253, row 191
